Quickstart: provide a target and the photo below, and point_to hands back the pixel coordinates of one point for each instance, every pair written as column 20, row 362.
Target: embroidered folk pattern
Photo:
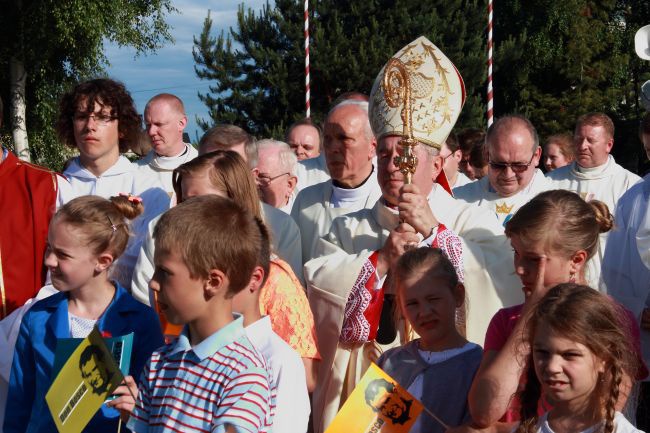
column 356, row 328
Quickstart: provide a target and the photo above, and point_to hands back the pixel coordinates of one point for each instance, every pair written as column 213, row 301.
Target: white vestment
column 292, row 399
column 155, row 171
column 285, row 239
column 624, row 273
column 606, row 183
column 314, row 213
column 311, row 171
column 461, row 180
column 122, row 177
column 482, row 193
column 342, row 255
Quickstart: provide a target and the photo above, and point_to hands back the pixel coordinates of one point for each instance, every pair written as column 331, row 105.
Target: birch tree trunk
column 17, row 77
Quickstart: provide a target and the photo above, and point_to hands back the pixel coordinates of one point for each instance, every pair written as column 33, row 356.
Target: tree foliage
column 257, row 69
column 554, row 60
column 60, row 42
column 557, row 60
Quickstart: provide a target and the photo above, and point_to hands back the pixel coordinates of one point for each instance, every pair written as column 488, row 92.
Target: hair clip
column 114, row 227
column 131, row 198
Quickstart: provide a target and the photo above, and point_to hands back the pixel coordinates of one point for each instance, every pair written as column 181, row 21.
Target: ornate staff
column 397, row 91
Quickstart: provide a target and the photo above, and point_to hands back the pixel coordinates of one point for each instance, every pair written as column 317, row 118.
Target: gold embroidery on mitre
column 437, row 95
column 504, row 208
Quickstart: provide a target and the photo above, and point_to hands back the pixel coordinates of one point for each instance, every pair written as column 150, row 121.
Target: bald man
column 513, row 177
column 349, row 147
column 165, row 120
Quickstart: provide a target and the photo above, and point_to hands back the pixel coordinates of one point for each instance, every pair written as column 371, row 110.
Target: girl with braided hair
column 580, row 353
column 553, row 237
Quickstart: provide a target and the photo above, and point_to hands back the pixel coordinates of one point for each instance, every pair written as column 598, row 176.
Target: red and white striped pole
column 490, row 90
column 307, row 92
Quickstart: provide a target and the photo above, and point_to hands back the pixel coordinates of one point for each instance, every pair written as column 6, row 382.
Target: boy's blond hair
column 212, row 232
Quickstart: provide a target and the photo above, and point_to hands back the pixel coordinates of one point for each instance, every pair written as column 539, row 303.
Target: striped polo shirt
column 222, row 380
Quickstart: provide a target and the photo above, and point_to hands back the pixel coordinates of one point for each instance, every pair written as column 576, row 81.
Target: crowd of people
column 262, row 278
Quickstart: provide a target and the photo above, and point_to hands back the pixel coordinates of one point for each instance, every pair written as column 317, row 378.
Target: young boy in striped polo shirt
column 211, row 379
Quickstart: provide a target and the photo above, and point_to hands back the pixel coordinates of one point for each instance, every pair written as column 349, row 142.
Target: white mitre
column 437, row 94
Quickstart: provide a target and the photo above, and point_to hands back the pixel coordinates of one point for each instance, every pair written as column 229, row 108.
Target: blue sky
column 171, row 68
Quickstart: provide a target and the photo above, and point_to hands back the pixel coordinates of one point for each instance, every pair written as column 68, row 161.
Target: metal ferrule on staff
column 397, row 91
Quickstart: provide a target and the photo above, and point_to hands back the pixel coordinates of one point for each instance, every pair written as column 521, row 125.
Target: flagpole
column 307, row 91
column 433, row 415
column 490, row 90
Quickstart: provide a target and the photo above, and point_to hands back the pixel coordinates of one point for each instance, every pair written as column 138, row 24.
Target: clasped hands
column 416, row 222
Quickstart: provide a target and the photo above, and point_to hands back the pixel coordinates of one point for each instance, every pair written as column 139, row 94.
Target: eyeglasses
column 444, row 158
column 517, row 167
column 103, row 119
column 265, row 179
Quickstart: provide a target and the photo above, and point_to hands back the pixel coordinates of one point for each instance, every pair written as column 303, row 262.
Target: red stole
column 27, row 202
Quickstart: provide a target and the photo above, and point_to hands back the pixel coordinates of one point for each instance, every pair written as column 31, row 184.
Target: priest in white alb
column 347, row 282
column 513, row 177
column 349, row 148
column 595, row 175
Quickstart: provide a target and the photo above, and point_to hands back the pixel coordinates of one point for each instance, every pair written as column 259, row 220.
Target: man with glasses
column 594, row 175
column 276, row 178
column 513, row 177
column 98, row 118
column 349, row 147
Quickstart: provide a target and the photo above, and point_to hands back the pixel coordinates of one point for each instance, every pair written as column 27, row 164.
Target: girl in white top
column 580, row 351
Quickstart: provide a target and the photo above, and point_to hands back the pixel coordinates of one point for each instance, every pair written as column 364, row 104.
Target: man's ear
column 104, row 261
column 216, row 283
column 436, row 166
column 373, row 147
column 537, row 156
column 293, row 181
column 182, row 123
column 256, row 172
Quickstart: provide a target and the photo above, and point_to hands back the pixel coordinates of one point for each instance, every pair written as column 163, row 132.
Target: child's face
column 558, row 269
column 430, row 305
column 97, row 136
column 70, row 262
column 567, row 370
column 181, row 297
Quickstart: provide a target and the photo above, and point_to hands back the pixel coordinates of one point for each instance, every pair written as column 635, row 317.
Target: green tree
column 557, row 60
column 257, row 68
column 46, row 45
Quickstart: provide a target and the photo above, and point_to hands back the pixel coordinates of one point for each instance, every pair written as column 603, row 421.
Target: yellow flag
column 377, row 404
column 87, row 378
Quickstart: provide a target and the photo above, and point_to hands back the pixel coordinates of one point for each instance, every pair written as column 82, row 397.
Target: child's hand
column 538, row 290
column 126, row 394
